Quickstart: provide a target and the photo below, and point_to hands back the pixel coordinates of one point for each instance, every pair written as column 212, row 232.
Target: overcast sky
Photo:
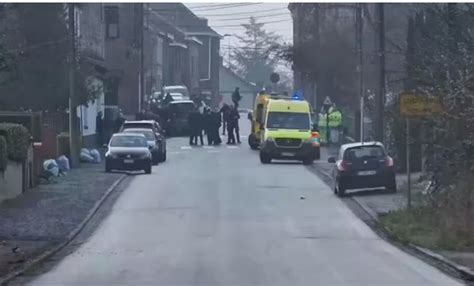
column 225, row 18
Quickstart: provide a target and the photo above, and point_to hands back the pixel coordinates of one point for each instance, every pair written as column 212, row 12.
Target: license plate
column 128, row 161
column 366, row 173
column 287, row 154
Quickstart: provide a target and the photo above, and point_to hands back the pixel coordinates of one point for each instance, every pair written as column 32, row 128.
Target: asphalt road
column 216, row 216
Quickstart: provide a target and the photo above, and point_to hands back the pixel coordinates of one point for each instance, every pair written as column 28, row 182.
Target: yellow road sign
column 412, row 104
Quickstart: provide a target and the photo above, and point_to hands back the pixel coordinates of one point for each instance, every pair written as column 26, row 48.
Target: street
column 217, row 216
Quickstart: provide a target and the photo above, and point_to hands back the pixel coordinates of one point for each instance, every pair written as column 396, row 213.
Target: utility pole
column 317, row 39
column 141, row 77
column 360, row 66
column 381, row 98
column 73, row 136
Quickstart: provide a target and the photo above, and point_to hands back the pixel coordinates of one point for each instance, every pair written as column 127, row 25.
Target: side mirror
column 331, row 160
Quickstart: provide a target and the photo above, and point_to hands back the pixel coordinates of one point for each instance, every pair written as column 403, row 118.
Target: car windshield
column 363, row 152
column 149, row 135
column 288, row 120
column 128, row 141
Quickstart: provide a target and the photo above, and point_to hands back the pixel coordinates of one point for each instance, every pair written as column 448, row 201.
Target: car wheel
column 307, row 161
column 317, row 156
column 163, row 157
column 265, row 159
column 341, row 191
column 156, row 160
column 107, row 167
column 253, row 145
column 391, row 187
column 148, row 169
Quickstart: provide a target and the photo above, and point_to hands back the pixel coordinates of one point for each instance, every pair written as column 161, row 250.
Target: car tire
column 156, row 160
column 341, row 191
column 265, row 159
column 252, row 142
column 317, row 156
column 307, row 161
column 163, row 157
column 107, row 167
column 148, row 169
column 391, row 187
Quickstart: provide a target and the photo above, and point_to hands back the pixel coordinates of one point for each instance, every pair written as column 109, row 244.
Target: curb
column 69, row 237
column 464, row 272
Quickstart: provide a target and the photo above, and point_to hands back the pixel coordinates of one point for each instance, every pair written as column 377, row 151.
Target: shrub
column 3, row 153
column 18, row 140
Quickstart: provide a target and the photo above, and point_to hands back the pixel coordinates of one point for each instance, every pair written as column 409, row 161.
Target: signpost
column 416, row 105
column 274, row 78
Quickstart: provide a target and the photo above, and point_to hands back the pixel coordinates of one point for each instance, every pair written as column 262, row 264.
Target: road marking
column 213, row 151
column 232, row 147
column 209, row 147
column 186, row 147
column 174, row 152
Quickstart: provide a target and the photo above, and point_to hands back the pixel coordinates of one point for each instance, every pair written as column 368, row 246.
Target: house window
column 111, row 22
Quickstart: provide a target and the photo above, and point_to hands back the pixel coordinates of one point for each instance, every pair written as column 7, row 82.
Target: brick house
column 203, row 45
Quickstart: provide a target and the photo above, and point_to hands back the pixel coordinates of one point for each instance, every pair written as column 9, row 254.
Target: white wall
column 87, row 114
column 11, row 181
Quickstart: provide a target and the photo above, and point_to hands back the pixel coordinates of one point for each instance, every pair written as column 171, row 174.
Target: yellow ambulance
column 287, row 131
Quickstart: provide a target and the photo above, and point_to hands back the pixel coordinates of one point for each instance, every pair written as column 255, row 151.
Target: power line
column 248, row 17
column 219, row 5
column 244, row 13
column 226, row 7
column 240, row 25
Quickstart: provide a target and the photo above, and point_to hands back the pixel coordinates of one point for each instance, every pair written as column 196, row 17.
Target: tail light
column 343, row 166
column 389, row 161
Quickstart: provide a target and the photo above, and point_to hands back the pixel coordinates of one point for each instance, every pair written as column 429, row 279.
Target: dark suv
column 363, row 166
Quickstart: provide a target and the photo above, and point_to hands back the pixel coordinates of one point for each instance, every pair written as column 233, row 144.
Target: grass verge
column 422, row 226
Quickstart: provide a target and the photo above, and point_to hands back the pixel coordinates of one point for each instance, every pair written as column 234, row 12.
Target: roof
column 128, row 134
column 185, row 19
column 288, row 105
column 359, row 144
column 182, row 101
column 236, row 77
column 140, row 121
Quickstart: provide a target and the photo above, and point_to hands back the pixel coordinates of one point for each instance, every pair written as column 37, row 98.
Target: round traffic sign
column 274, row 77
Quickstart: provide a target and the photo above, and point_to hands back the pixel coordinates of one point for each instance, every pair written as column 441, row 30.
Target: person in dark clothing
column 232, row 123
column 168, row 99
column 118, row 122
column 236, row 97
column 199, row 127
column 216, row 124
column 193, row 118
column 208, row 126
column 225, row 114
column 99, row 128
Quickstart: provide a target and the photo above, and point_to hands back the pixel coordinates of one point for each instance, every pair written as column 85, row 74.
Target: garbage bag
column 86, row 158
column 63, row 163
column 85, row 151
column 51, row 166
column 96, row 155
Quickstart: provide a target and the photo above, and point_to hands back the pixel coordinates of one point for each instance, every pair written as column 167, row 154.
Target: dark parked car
column 363, row 166
column 157, row 145
column 153, row 125
column 128, row 151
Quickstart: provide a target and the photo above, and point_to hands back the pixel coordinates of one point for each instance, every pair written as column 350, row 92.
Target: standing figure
column 216, row 124
column 236, row 97
column 225, row 114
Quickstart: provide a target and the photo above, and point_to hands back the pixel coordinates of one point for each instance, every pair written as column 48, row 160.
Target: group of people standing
column 210, row 121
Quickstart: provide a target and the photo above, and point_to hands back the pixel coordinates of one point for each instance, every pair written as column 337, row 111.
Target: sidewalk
column 43, row 217
column 378, row 203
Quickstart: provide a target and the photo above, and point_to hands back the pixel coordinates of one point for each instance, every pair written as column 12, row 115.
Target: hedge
column 3, row 153
column 18, row 140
